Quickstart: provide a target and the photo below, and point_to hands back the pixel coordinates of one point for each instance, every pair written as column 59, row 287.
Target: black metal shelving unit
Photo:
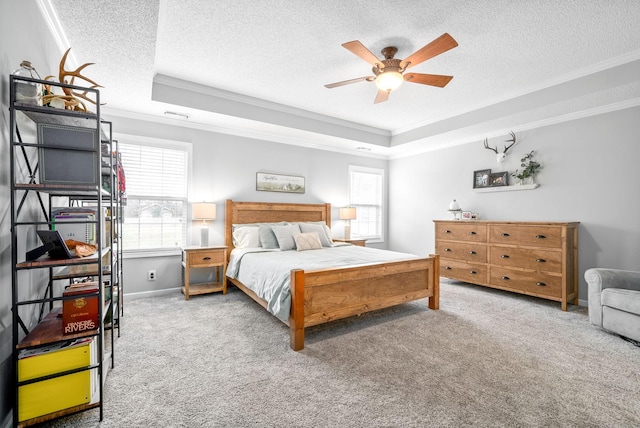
column 49, row 145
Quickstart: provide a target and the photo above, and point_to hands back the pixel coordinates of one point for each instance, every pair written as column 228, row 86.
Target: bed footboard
column 325, row 295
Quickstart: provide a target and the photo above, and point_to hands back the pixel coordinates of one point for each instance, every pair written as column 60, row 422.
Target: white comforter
column 268, row 272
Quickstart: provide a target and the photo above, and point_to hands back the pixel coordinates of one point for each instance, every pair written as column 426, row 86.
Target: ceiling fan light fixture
column 389, row 80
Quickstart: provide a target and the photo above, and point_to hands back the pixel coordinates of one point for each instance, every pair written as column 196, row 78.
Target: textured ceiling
column 259, row 67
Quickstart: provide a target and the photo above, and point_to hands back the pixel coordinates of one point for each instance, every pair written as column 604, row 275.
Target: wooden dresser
column 538, row 259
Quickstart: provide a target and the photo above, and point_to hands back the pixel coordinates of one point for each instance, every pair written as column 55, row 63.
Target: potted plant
column 529, row 169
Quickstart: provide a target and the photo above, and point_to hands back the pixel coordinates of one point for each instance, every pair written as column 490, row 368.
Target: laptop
column 53, row 243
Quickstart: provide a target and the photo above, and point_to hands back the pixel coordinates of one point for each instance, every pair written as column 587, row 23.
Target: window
column 155, row 215
column 366, row 195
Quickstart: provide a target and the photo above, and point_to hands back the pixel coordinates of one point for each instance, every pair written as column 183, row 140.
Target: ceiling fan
column 388, row 73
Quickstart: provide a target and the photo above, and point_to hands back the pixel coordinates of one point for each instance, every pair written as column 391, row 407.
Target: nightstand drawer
column 204, row 258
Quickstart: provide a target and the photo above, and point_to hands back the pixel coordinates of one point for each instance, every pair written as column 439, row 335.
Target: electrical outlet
column 151, row 275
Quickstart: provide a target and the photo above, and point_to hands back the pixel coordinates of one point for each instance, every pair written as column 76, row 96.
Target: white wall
column 589, row 175
column 24, row 36
column 224, row 167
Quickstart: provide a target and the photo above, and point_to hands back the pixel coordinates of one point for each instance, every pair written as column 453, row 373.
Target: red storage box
column 80, row 313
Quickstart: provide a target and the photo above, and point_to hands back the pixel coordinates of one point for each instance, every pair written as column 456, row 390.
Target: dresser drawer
column 528, row 258
column 465, row 231
column 469, row 272
column 537, row 283
column 204, row 258
column 462, row 251
column 533, row 235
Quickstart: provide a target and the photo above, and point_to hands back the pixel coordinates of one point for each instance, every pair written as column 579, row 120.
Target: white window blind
column 155, row 215
column 366, row 186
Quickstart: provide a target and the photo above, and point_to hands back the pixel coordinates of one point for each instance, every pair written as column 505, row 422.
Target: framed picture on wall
column 279, row 183
column 499, row 179
column 481, row 178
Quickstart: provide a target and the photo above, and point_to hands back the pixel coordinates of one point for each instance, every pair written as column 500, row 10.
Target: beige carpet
column 486, row 358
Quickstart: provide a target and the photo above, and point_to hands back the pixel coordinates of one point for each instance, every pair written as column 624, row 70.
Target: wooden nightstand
column 358, row 242
column 204, row 257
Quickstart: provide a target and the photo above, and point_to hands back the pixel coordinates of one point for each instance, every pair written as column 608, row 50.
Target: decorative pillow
column 307, row 241
column 284, row 235
column 267, row 237
column 319, row 228
column 246, row 237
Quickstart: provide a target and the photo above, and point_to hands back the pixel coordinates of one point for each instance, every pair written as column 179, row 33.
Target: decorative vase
column 27, row 92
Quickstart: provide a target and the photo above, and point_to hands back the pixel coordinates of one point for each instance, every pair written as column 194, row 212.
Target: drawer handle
column 206, row 258
column 447, row 231
column 447, row 268
column 504, row 256
column 541, row 284
column 504, row 234
column 448, row 250
column 541, row 260
column 473, row 253
column 473, row 272
column 472, row 233
column 541, row 237
column 506, row 278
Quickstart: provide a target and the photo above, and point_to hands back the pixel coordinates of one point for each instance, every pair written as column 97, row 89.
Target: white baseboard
column 154, row 293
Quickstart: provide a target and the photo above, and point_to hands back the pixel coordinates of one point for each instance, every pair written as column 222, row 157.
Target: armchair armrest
column 598, row 279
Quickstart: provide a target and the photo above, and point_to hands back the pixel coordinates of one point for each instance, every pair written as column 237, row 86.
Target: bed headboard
column 271, row 212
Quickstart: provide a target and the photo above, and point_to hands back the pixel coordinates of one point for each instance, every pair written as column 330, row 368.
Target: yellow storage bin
column 48, row 396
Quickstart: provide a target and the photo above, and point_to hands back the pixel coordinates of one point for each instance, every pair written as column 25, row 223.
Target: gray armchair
column 614, row 301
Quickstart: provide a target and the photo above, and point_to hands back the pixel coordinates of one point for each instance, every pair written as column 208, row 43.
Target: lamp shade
column 348, row 213
column 389, row 80
column 204, row 211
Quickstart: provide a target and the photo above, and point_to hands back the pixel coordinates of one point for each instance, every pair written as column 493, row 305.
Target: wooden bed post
column 296, row 317
column 434, row 301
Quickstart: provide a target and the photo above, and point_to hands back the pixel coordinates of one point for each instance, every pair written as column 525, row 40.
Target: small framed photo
column 475, row 216
column 466, row 215
column 499, row 179
column 481, row 178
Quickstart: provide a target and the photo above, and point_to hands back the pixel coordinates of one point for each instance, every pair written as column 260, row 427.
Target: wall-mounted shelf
column 506, row 188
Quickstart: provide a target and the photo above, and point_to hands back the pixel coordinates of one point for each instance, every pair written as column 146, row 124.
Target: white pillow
column 307, row 241
column 246, row 237
column 284, row 235
column 320, row 229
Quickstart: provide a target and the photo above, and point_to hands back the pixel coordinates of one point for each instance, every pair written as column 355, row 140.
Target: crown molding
column 263, row 104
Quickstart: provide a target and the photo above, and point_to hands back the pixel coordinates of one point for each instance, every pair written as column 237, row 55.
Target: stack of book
column 77, row 223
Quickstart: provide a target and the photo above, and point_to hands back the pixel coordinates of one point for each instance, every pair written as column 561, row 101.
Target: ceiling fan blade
column 382, row 96
column 347, row 82
column 359, row 49
column 436, row 47
column 428, row 79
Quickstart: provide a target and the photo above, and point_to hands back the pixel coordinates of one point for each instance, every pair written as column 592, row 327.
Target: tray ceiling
column 259, row 68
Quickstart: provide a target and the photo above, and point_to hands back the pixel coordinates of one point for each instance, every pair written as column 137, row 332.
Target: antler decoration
column 500, row 157
column 486, row 146
column 513, row 139
column 71, row 100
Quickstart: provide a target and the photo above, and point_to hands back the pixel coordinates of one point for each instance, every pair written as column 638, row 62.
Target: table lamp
column 347, row 214
column 204, row 211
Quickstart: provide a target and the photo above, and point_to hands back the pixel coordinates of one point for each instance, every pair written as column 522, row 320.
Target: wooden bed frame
column 320, row 296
